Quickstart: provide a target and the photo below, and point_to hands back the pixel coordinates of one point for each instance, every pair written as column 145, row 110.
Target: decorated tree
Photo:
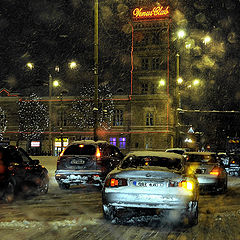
column 82, row 112
column 3, row 123
column 33, row 117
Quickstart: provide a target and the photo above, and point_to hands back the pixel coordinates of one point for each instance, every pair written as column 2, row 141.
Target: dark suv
column 86, row 162
column 19, row 174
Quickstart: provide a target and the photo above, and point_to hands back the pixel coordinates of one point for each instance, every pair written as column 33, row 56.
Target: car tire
column 44, row 188
column 9, row 194
column 224, row 188
column 192, row 213
column 109, row 212
column 64, row 186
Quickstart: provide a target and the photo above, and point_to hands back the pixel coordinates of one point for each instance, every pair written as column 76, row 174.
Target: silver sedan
column 151, row 180
column 211, row 174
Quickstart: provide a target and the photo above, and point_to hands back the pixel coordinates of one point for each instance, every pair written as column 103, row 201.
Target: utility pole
column 95, row 110
column 177, row 106
column 50, row 114
column 61, row 123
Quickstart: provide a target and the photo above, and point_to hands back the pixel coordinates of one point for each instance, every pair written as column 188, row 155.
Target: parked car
column 210, row 172
column 87, row 163
column 20, row 174
column 177, row 150
column 231, row 163
column 151, row 180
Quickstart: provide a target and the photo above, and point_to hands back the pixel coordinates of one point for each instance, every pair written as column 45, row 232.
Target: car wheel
column 192, row 213
column 64, row 186
column 8, row 196
column 224, row 187
column 109, row 212
column 44, row 188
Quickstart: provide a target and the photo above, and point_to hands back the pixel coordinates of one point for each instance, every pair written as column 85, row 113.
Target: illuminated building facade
column 142, row 120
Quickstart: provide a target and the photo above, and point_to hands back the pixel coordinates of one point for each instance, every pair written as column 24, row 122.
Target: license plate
column 147, row 184
column 78, row 161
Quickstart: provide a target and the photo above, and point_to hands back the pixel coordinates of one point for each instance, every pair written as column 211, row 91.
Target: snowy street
column 77, row 214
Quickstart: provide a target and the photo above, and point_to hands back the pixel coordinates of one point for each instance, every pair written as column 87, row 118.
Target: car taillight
column 98, row 153
column 116, row 182
column 186, row 184
column 215, row 171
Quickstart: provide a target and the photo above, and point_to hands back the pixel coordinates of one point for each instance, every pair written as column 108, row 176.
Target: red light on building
column 155, row 13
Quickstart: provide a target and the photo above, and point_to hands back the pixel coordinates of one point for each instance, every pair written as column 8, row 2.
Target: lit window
column 148, row 142
column 122, row 142
column 149, row 119
column 113, row 141
column 118, row 118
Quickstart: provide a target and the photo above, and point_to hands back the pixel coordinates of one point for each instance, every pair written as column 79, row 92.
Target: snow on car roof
column 155, row 154
column 87, row 142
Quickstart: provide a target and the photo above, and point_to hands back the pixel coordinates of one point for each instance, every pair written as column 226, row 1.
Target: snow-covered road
column 77, row 214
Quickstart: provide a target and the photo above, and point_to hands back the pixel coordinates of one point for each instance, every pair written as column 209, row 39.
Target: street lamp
column 95, row 110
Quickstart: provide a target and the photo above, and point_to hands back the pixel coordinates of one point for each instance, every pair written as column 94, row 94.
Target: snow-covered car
column 177, row 150
column 210, row 172
column 86, row 162
column 20, row 174
column 150, row 180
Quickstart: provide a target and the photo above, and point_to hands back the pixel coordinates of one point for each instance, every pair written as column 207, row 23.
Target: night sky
column 51, row 33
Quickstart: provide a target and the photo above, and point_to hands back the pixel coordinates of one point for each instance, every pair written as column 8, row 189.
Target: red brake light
column 215, row 171
column 233, row 161
column 98, row 153
column 116, row 182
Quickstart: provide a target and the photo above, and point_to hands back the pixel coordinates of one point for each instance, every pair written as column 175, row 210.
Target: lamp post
column 95, row 110
column 50, row 114
column 61, row 121
column 177, row 94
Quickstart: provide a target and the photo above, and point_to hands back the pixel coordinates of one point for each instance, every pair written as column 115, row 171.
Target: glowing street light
column 206, row 40
column 179, row 80
column 56, row 83
column 181, row 34
column 196, row 82
column 162, row 82
column 30, row 65
column 73, row 65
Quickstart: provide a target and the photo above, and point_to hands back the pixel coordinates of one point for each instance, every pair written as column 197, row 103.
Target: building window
column 118, row 118
column 144, row 64
column 148, row 143
column 156, row 63
column 113, row 141
column 149, row 119
column 144, row 89
column 122, row 142
column 156, row 38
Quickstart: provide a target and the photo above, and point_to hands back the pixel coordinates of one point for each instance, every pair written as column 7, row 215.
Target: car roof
column 89, row 142
column 170, row 149
column 155, row 154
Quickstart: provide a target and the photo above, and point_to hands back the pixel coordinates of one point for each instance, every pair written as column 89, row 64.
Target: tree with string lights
column 3, row 123
column 33, row 117
column 82, row 109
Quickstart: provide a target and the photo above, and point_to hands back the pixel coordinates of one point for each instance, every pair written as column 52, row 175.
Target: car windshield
column 139, row 161
column 80, row 149
column 201, row 158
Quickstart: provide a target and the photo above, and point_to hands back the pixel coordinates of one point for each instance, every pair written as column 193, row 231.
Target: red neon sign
column 155, row 13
